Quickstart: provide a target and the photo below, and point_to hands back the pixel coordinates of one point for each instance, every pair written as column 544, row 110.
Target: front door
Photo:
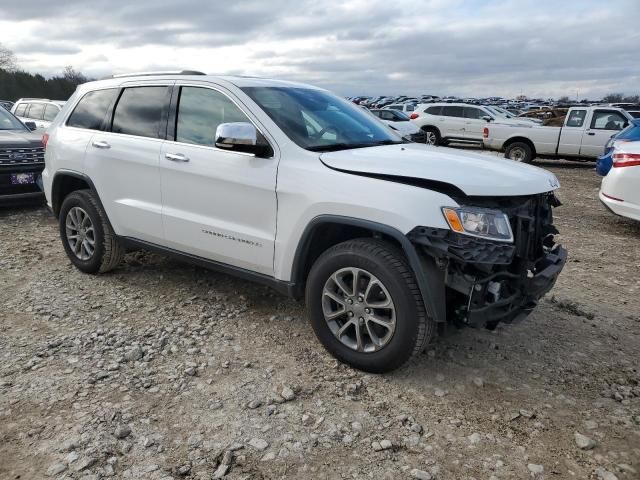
column 604, row 123
column 217, row 204
column 474, row 123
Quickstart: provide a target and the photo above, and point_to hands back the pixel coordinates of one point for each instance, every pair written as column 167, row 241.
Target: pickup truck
column 583, row 135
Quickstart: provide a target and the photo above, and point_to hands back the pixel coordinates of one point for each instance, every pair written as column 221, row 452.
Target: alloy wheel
column 358, row 309
column 80, row 233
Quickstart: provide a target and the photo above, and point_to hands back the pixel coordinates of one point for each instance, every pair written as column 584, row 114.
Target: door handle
column 176, row 157
column 590, row 133
column 100, row 144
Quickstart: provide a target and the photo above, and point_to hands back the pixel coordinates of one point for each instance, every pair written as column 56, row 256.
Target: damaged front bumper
column 490, row 281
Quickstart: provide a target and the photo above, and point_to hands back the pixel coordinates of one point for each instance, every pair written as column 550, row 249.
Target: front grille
column 21, row 156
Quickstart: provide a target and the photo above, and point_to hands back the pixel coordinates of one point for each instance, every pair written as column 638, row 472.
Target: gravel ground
column 163, row 370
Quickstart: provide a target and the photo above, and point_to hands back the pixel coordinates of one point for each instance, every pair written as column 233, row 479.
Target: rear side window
column 139, row 111
column 452, row 111
column 434, row 110
column 36, row 111
column 20, row 110
column 608, row 120
column 92, row 109
column 200, row 111
column 50, row 112
column 576, row 118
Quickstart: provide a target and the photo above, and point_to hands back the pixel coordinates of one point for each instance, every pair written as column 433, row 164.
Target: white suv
column 456, row 122
column 294, row 187
column 40, row 111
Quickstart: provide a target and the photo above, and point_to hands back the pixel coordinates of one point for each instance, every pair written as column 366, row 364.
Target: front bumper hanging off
column 490, row 281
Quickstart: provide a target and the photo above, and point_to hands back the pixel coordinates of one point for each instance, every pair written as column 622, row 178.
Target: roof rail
column 149, row 74
column 33, row 98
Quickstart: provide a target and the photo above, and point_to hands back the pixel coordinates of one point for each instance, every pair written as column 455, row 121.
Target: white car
column 296, row 188
column 402, row 107
column 620, row 189
column 455, row 122
column 399, row 122
column 40, row 111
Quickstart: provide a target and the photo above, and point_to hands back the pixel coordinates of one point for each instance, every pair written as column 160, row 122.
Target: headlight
column 479, row 222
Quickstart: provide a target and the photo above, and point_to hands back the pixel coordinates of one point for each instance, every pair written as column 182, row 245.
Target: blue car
column 629, row 134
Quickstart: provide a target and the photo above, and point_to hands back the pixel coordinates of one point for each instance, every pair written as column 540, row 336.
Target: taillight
column 626, row 160
column 485, row 132
column 45, row 140
column 413, row 116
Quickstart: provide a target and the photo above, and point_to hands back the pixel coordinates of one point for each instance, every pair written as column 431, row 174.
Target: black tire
column 432, row 133
column 108, row 251
column 519, row 152
column 413, row 329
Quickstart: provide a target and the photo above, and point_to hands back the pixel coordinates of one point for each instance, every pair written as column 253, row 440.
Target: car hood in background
column 18, row 138
column 474, row 174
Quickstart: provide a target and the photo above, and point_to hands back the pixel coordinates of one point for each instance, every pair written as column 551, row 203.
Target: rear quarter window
column 20, row 110
column 92, row 109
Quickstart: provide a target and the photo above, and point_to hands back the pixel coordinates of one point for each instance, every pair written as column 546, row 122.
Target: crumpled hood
column 474, row 174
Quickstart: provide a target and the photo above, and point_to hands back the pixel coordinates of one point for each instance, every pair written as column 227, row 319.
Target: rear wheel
column 86, row 235
column 432, row 136
column 519, row 152
column 365, row 306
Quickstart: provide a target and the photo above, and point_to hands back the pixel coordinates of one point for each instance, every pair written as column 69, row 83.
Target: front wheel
column 519, row 152
column 365, row 306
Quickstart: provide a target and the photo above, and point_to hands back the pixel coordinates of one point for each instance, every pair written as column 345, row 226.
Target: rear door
column 452, row 122
column 572, row 132
column 604, row 123
column 124, row 162
column 474, row 123
column 217, row 204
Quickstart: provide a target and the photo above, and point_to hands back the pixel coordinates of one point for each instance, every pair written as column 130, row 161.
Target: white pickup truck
column 585, row 132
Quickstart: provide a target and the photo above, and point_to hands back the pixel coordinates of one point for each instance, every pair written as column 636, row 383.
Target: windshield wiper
column 347, row 146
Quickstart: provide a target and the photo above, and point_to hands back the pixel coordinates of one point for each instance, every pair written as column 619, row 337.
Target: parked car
column 6, row 104
column 454, row 122
column 629, row 134
column 619, row 191
column 299, row 189
column 21, row 161
column 506, row 114
column 545, row 114
column 634, row 112
column 402, row 107
column 583, row 136
column 39, row 110
column 400, row 122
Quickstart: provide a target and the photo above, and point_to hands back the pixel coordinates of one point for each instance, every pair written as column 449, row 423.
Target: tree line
column 15, row 83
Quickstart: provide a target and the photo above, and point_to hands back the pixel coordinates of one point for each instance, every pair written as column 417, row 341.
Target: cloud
column 461, row 47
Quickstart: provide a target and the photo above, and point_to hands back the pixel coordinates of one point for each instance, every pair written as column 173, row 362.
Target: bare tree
column 7, row 59
column 73, row 76
column 613, row 98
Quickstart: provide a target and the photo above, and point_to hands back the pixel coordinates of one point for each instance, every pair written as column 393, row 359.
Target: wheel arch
column 516, row 139
column 325, row 231
column 68, row 181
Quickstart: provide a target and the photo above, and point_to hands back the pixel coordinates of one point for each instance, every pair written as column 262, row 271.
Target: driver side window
column 200, row 111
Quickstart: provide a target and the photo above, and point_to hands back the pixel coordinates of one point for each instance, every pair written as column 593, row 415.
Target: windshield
column 319, row 121
column 9, row 122
column 497, row 111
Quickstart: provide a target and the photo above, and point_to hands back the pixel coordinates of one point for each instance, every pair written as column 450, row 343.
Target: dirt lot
column 163, row 370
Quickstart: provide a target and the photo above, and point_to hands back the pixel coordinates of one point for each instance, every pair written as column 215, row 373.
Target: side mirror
column 487, row 118
column 31, row 125
column 241, row 137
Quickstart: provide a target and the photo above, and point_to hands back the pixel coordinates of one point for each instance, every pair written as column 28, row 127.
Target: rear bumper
column 620, row 207
column 11, row 193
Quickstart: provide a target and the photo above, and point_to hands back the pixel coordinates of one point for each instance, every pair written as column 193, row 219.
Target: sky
column 539, row 48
